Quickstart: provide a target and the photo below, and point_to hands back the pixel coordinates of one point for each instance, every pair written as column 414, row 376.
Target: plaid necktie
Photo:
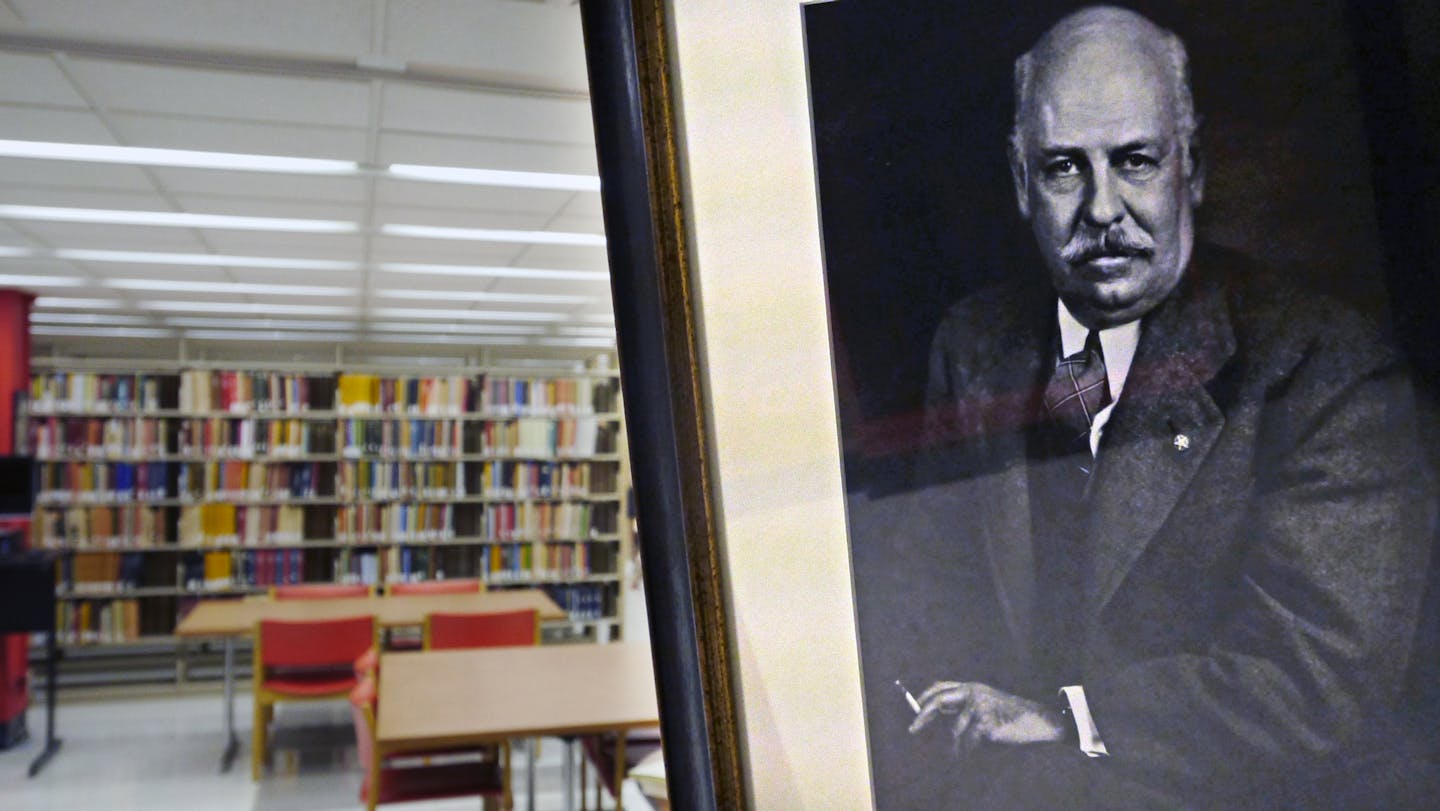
column 1077, row 391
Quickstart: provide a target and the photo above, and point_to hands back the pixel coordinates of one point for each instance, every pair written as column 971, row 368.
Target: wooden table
column 235, row 618
column 460, row 698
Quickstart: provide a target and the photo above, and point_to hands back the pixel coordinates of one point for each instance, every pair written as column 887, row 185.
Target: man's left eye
column 1136, row 161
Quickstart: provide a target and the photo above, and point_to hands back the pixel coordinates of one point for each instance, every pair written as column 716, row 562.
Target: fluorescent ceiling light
column 41, row 281
column 603, row 343
column 181, row 158
column 459, row 329
column 6, row 250
column 90, row 318
column 455, row 340
column 258, row 323
column 245, row 308
column 495, row 272
column 206, row 259
column 483, row 295
column 175, row 219
column 597, row 332
column 491, row 235
column 104, row 332
column 270, row 335
column 467, row 315
column 65, row 303
column 495, row 177
column 234, row 288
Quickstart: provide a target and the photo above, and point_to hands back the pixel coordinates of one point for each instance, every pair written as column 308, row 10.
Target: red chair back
column 313, row 643
column 492, row 630
column 468, row 585
column 320, row 591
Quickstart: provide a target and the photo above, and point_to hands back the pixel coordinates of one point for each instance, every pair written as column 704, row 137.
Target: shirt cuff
column 1089, row 735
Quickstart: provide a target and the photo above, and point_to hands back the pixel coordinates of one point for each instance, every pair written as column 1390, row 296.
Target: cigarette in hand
column 909, row 699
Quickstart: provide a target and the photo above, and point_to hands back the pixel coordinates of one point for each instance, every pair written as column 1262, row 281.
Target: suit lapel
column 1161, row 431
column 1009, row 389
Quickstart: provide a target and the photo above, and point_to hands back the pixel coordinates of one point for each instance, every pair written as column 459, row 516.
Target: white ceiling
column 486, row 84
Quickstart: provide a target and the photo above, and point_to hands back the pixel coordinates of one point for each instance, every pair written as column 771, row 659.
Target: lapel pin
column 1182, row 442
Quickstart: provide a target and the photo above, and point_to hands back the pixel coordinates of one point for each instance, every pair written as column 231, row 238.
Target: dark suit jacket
column 1253, row 587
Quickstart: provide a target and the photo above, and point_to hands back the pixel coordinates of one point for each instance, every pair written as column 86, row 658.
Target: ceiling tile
column 34, row 79
column 246, row 137
column 537, row 44
column 129, row 88
column 488, row 115
column 21, row 123
column 18, row 173
column 117, row 237
column 481, row 199
column 262, row 185
column 265, row 243
column 326, row 26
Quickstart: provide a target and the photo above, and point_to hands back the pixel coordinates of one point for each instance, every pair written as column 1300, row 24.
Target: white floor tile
column 158, row 754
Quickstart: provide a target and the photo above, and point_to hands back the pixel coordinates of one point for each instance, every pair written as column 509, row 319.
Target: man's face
column 1107, row 185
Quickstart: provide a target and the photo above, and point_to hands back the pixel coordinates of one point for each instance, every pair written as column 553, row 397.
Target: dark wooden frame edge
column 632, row 101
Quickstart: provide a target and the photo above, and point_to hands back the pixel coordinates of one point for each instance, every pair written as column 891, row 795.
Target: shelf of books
column 165, row 488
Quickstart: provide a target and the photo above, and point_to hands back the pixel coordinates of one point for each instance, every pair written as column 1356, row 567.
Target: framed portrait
column 808, row 206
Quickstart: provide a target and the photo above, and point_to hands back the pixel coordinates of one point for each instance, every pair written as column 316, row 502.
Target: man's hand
column 984, row 714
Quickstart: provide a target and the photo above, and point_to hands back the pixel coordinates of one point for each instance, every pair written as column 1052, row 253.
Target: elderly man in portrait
column 1188, row 498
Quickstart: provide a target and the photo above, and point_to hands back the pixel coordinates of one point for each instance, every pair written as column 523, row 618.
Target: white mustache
column 1088, row 244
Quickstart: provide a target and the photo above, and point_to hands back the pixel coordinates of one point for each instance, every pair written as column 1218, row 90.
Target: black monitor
column 17, row 485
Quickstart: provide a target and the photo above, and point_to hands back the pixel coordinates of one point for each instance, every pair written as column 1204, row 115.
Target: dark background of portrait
column 1321, row 141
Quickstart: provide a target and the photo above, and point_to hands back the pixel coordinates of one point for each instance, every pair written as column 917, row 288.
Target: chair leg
column 584, row 777
column 507, row 790
column 257, row 737
column 619, row 768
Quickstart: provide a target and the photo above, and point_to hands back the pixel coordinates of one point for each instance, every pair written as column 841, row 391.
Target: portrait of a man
column 1155, row 529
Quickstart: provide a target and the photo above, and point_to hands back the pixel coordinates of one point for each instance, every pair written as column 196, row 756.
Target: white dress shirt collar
column 1118, row 344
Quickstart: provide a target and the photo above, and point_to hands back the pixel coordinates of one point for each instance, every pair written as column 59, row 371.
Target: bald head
column 1104, row 162
column 1106, row 39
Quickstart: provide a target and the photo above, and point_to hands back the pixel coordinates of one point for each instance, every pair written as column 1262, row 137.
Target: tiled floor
column 163, row 754
column 157, row 754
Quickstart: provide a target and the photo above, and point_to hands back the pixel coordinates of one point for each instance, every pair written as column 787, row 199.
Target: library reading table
column 230, row 619
column 459, row 698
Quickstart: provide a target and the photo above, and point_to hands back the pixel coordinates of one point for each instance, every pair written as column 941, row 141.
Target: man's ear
column 1019, row 176
column 1195, row 171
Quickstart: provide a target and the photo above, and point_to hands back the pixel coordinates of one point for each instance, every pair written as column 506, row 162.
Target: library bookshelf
column 166, row 486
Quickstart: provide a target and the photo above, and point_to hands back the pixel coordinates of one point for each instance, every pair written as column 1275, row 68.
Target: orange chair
column 491, row 630
column 467, row 585
column 303, row 661
column 600, row 750
column 321, row 591
column 426, row 777
column 406, row 639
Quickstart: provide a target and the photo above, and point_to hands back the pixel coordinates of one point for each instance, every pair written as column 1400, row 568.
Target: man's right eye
column 1061, row 167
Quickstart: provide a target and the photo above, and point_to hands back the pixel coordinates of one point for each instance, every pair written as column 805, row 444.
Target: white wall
column 746, row 143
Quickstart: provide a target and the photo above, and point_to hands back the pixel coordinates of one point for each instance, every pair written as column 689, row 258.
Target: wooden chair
column 407, row 638
column 425, row 777
column 495, row 629
column 466, row 585
column 491, row 630
column 321, row 591
column 613, row 755
column 303, row 661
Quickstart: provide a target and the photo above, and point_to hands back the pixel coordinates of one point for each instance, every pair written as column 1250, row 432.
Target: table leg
column 52, row 743
column 530, row 750
column 568, row 772
column 232, row 743
column 619, row 767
